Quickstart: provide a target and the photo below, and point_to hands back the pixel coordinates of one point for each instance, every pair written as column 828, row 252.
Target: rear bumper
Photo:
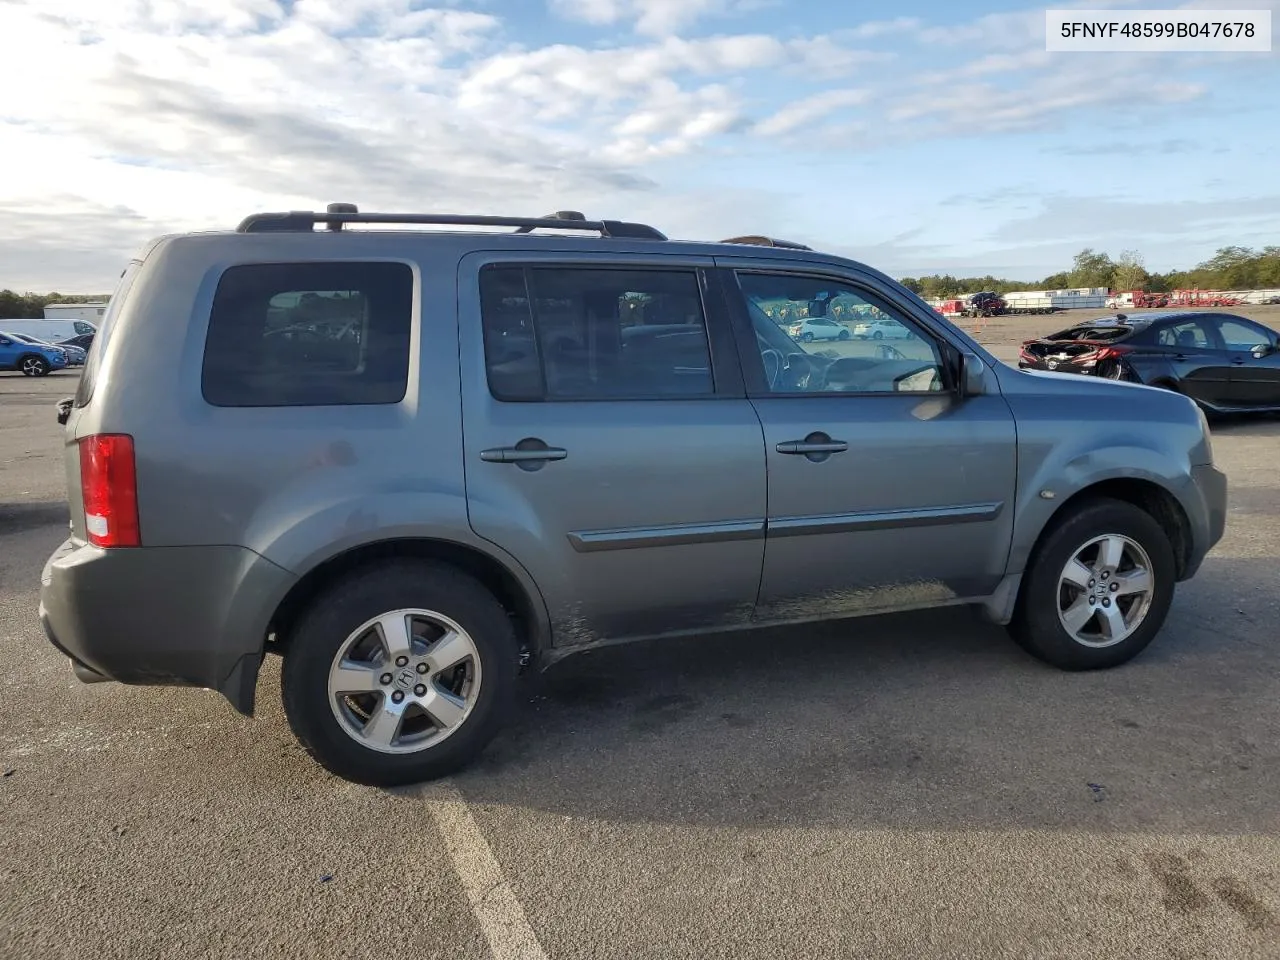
column 186, row 616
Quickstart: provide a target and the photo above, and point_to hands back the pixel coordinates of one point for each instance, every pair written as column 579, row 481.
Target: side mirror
column 64, row 410
column 1261, row 350
column 973, row 375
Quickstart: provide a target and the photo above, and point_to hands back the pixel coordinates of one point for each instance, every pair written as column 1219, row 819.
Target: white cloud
column 652, row 17
column 810, row 110
column 127, row 118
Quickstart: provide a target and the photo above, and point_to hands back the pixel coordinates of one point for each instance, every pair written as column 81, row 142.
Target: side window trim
column 725, row 363
column 753, row 366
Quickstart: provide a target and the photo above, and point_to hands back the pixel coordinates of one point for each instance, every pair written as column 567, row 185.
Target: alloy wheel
column 404, row 681
column 1105, row 591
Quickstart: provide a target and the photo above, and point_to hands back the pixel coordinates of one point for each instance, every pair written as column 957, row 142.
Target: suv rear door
column 886, row 488
column 609, row 444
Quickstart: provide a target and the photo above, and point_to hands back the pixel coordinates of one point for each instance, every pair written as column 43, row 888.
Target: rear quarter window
column 309, row 334
column 93, row 359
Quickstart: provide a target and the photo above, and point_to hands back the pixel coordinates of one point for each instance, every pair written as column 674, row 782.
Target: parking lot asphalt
column 908, row 786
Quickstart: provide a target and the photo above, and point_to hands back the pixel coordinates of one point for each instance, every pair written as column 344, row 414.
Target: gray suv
column 416, row 461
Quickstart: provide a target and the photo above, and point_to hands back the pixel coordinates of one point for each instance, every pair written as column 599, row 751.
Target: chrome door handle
column 522, row 455
column 812, row 446
column 529, row 451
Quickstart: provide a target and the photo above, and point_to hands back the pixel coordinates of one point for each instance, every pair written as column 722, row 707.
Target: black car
column 1226, row 363
column 83, row 341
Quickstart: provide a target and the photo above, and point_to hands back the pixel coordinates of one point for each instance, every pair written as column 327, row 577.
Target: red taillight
column 1110, row 353
column 109, row 486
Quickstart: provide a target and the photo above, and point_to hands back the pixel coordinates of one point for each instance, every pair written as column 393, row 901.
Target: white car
column 880, row 329
column 817, row 328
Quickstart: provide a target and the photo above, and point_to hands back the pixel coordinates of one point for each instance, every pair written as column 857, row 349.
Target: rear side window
column 587, row 333
column 1190, row 334
column 309, row 334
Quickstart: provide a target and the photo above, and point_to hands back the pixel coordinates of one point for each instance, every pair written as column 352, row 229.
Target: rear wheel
column 1097, row 589
column 844, row 334
column 400, row 674
column 34, row 366
column 807, row 337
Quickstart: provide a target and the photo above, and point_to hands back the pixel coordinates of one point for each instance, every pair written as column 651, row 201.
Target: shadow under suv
column 414, row 461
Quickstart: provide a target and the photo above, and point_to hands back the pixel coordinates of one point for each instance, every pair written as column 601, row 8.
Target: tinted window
column 309, row 334
column 1239, row 336
column 582, row 333
column 1189, row 334
column 902, row 360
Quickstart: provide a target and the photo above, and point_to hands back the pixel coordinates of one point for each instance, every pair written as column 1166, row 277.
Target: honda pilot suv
column 415, row 462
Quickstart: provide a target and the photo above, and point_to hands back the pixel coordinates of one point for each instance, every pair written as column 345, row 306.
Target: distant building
column 91, row 311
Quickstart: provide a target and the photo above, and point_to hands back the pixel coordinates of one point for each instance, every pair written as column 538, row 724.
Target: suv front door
column 609, row 444
column 887, row 489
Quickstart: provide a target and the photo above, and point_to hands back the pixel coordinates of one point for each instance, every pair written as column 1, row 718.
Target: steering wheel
column 773, row 366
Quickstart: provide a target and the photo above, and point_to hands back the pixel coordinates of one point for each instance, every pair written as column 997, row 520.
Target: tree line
column 1231, row 268
column 30, row 306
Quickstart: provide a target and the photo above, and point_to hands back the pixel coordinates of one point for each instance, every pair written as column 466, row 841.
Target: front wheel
column 807, row 337
column 844, row 335
column 1097, row 588
column 878, row 335
column 34, row 366
column 400, row 674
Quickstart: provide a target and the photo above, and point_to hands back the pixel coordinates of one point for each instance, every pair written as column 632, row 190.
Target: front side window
column 585, row 333
column 1240, row 337
column 309, row 334
column 885, row 352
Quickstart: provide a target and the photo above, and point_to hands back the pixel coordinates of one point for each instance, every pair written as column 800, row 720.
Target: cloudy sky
column 920, row 135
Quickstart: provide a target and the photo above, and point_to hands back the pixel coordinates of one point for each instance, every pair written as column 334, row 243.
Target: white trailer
column 90, row 312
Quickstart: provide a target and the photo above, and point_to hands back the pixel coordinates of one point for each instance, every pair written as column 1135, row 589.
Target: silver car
column 415, row 463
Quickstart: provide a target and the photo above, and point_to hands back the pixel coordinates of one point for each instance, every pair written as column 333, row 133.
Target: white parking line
column 496, row 908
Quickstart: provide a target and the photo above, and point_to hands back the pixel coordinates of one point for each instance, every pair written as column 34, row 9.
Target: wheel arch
column 1154, row 499
column 518, row 595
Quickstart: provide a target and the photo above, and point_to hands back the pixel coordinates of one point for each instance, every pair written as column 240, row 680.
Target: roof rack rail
column 762, row 241
column 337, row 214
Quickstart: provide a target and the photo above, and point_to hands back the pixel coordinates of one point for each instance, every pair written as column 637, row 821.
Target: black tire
column 1036, row 625
column 877, row 335
column 34, row 366
column 845, row 334
column 807, row 337
column 322, row 630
